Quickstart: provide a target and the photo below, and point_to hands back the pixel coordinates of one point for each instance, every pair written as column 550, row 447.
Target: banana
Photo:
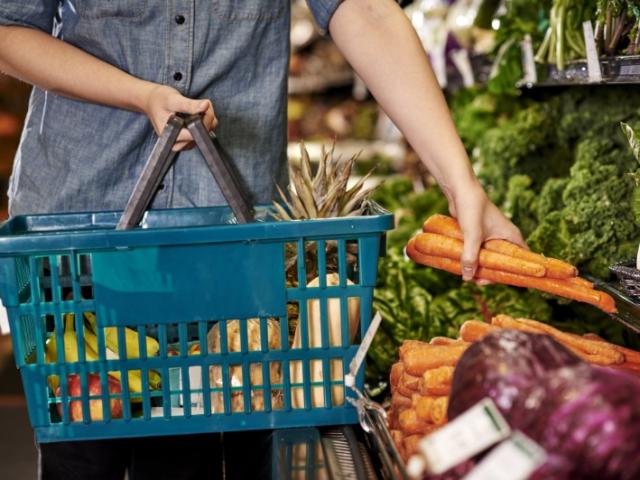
column 134, row 376
column 131, row 339
column 70, row 341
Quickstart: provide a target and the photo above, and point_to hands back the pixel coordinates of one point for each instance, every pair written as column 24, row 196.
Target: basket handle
column 162, row 157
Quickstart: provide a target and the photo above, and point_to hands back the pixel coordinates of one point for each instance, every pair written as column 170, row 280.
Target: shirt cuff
column 322, row 11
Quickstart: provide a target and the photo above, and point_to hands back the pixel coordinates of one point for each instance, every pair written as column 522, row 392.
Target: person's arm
column 379, row 42
column 35, row 57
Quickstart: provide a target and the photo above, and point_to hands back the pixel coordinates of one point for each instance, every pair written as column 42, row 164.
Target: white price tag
column 4, row 320
column 471, row 433
column 514, row 459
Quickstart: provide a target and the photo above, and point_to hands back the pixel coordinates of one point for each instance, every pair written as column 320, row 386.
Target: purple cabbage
column 586, row 418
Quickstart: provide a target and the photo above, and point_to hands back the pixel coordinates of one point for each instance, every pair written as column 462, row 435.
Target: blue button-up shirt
column 78, row 156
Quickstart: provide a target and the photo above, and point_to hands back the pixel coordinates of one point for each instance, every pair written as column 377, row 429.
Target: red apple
column 74, row 389
column 194, row 349
column 172, row 352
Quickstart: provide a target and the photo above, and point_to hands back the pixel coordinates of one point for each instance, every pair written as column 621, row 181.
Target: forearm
column 42, row 60
column 377, row 39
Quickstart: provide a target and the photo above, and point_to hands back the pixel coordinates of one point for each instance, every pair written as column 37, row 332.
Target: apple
column 172, row 352
column 194, row 349
column 74, row 389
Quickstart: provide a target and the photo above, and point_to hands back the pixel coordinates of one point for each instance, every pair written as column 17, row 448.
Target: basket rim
column 34, row 234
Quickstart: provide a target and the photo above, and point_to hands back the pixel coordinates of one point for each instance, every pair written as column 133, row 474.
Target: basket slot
column 266, row 385
column 23, row 280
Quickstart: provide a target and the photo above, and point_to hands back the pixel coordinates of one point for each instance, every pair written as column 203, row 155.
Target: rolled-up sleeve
column 322, row 11
column 28, row 13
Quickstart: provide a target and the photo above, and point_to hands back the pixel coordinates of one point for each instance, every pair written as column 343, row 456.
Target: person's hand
column 163, row 101
column 480, row 220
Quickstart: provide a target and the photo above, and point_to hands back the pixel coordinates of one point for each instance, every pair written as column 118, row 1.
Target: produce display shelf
column 615, row 70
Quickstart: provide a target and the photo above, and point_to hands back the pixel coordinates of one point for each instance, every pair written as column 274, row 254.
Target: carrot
column 630, row 356
column 408, row 384
column 549, row 285
column 410, row 443
column 443, row 225
column 397, row 437
column 423, row 408
column 409, row 344
column 555, row 268
column 445, row 341
column 600, row 351
column 410, row 424
column 581, row 282
column 419, row 360
column 473, row 330
column 395, row 374
column 437, row 381
column 442, row 246
column 400, row 402
column 439, row 410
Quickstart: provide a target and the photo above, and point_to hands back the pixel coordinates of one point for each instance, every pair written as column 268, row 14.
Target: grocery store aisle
column 17, row 450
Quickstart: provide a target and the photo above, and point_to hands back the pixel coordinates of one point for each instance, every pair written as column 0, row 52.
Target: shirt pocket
column 249, row 10
column 102, row 9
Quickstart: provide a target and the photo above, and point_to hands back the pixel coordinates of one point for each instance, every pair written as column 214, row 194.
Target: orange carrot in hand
column 549, row 285
column 442, row 246
column 555, row 268
column 443, row 225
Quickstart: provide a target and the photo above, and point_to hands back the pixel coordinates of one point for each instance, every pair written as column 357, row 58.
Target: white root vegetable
column 334, row 318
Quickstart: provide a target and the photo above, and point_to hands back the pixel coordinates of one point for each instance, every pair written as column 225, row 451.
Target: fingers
column 472, row 242
column 184, row 141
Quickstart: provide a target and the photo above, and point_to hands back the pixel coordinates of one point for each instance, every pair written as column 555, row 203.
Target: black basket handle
column 162, row 157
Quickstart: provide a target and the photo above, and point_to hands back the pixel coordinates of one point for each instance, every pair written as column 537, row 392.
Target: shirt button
column 177, row 76
column 179, row 19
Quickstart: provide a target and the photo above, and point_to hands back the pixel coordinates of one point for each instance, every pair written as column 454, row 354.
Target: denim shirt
column 79, row 156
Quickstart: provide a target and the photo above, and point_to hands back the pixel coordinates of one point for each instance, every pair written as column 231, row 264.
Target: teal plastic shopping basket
column 182, row 325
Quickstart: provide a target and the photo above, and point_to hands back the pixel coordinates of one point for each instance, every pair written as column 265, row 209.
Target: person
column 108, row 74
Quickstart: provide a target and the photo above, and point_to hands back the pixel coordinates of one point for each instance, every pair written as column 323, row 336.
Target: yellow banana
column 70, row 341
column 134, row 376
column 131, row 339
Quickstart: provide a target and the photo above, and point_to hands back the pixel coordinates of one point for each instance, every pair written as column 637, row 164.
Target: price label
column 514, row 459
column 474, row 431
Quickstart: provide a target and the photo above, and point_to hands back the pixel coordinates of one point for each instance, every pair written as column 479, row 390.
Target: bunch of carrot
column 421, row 380
column 588, row 347
column 500, row 261
column 420, row 386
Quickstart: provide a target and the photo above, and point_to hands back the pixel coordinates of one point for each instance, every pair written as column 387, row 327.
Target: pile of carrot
column 421, row 380
column 441, row 244
column 420, row 386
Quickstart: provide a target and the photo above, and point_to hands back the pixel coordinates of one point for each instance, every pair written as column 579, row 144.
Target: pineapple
column 323, row 195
